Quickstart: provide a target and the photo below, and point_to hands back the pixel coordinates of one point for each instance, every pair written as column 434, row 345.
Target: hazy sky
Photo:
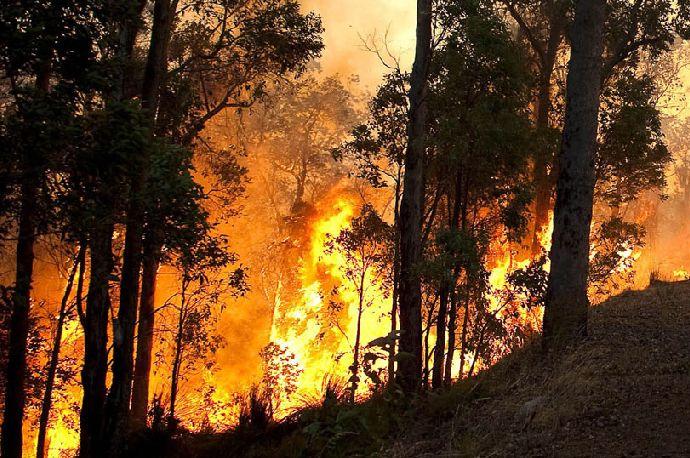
column 346, row 21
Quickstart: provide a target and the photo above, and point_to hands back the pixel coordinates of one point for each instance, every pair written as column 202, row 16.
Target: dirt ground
column 624, row 392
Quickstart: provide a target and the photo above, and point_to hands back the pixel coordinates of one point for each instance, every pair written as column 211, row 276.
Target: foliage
column 530, row 282
column 281, row 374
column 256, row 413
column 614, row 244
column 632, row 156
column 378, row 146
column 365, row 246
column 294, row 128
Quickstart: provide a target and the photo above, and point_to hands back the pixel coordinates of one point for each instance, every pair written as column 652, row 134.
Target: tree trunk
column 542, row 182
column 15, row 397
column 449, row 289
column 440, row 348
column 177, row 360
column 411, row 211
column 123, row 349
column 11, row 443
column 157, row 60
column 452, row 327
column 358, row 338
column 142, row 368
column 96, row 342
column 179, row 349
column 463, row 335
column 427, row 351
column 55, row 357
column 96, row 428
column 565, row 315
column 396, row 283
column 542, row 198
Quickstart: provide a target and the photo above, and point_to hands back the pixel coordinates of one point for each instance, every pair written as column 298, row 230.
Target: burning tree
column 281, row 373
column 195, row 308
column 377, row 152
column 289, row 135
column 365, row 246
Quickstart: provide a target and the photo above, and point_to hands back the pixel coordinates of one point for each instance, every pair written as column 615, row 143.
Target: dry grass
column 623, row 392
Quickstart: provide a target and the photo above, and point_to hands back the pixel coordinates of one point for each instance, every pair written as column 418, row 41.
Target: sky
column 348, row 22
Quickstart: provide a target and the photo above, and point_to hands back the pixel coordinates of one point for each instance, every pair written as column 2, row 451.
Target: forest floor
column 624, row 392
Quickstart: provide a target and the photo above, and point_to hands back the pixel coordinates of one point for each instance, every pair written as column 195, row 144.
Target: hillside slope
column 624, row 392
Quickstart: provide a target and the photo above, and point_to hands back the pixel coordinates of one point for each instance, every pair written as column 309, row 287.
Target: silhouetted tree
column 565, row 316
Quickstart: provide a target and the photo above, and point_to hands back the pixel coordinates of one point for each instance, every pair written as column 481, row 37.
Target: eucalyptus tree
column 41, row 46
column 411, row 206
column 365, row 245
column 376, row 151
column 480, row 93
column 565, row 316
column 629, row 31
column 206, row 39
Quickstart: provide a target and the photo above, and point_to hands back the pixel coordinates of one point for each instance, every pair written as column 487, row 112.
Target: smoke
column 351, row 24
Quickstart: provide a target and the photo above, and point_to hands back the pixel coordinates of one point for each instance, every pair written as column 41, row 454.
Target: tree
column 365, row 246
column 299, row 123
column 543, row 25
column 117, row 135
column 565, row 315
column 632, row 30
column 377, row 151
column 78, row 266
column 118, row 402
column 40, row 43
column 275, row 39
column 480, row 134
column 411, row 211
column 631, row 154
column 202, row 288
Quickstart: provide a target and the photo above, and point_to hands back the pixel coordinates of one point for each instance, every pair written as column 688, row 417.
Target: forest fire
column 240, row 214
column 320, row 328
column 681, row 274
column 316, row 331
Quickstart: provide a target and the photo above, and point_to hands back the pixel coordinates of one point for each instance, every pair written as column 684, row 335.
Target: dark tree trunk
column 157, row 61
column 15, row 397
column 546, row 63
column 464, row 332
column 358, row 340
column 123, row 350
column 542, row 185
column 427, row 350
column 411, row 211
column 396, row 283
column 440, row 348
column 55, row 356
column 452, row 327
column 179, row 349
column 164, row 14
column 565, row 315
column 442, row 368
column 142, row 368
column 100, row 412
column 96, row 342
column 542, row 198
column 175, row 376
